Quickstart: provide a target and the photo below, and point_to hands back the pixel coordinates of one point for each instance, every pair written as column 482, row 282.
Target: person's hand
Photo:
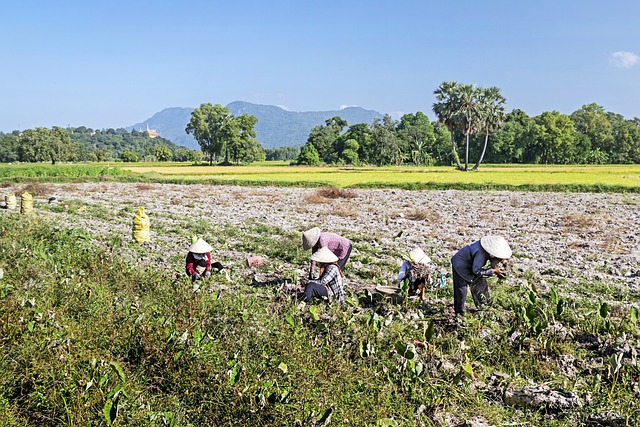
column 498, row 273
column 197, row 276
column 207, row 273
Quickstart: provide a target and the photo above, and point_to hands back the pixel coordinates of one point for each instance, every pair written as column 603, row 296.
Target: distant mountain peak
column 276, row 127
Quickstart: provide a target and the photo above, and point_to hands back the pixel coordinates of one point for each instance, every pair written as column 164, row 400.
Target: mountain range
column 276, row 126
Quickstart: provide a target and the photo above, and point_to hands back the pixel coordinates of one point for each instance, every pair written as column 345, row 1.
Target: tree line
column 472, row 124
column 85, row 144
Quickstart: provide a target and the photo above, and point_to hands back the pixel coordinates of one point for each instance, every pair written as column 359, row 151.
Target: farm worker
column 199, row 263
column 330, row 282
column 468, row 268
column 314, row 239
column 416, row 271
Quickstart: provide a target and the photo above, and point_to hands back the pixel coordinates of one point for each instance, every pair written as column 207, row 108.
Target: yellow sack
column 10, row 200
column 26, row 203
column 141, row 226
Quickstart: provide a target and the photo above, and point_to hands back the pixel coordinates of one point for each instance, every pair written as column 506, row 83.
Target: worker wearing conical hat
column 314, row 239
column 417, row 271
column 199, row 264
column 329, row 285
column 469, row 268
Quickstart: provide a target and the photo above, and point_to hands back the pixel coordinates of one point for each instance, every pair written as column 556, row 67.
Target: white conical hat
column 310, row 238
column 418, row 256
column 496, row 246
column 200, row 247
column 324, row 255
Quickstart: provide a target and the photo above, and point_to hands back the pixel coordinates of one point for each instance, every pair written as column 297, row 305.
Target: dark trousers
column 479, row 292
column 314, row 290
column 343, row 261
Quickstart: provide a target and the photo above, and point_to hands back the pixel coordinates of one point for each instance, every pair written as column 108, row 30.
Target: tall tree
column 553, row 137
column 417, row 132
column 491, row 114
column 212, row 127
column 467, row 114
column 445, row 110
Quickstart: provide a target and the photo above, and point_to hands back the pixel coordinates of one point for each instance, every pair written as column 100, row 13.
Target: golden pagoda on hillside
column 152, row 132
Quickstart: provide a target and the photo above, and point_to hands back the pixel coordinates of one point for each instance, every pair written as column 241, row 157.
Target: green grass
column 87, row 336
column 590, row 178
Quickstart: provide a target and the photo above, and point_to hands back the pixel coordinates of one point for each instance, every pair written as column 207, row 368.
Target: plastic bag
column 26, row 203
column 10, row 200
column 141, row 226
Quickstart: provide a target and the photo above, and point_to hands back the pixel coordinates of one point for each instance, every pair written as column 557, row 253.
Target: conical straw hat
column 324, row 255
column 418, row 256
column 496, row 246
column 310, row 238
column 200, row 247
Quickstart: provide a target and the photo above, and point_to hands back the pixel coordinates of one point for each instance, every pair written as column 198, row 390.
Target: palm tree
column 492, row 115
column 467, row 114
column 445, row 110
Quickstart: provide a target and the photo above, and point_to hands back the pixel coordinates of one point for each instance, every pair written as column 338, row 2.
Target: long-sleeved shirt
column 332, row 280
column 469, row 262
column 335, row 243
column 192, row 263
column 405, row 272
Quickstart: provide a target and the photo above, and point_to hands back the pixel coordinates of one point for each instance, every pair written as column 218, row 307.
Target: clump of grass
column 336, row 193
column 36, row 189
column 421, row 214
column 577, row 221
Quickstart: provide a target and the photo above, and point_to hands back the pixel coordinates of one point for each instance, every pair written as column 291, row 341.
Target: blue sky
column 116, row 63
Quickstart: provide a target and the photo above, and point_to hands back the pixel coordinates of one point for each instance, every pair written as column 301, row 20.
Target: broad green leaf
column 313, row 309
column 430, row 331
column 387, row 422
column 118, row 369
column 110, row 411
column 290, row 320
column 560, row 307
column 234, row 376
column 467, row 369
column 634, row 315
column 283, row 367
column 326, row 417
column 604, row 310
column 554, row 295
column 30, row 326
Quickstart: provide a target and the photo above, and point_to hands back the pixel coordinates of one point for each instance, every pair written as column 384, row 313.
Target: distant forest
column 589, row 135
column 85, row 144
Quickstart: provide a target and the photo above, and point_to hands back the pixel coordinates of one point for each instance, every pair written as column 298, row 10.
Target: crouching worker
column 329, row 284
column 416, row 271
column 469, row 268
column 199, row 263
column 315, row 240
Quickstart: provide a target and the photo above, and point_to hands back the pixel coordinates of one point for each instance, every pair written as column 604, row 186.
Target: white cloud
column 284, row 107
column 343, row 106
column 397, row 115
column 624, row 59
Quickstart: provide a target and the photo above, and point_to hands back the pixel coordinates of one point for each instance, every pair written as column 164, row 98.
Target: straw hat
column 310, row 238
column 324, row 255
column 418, row 256
column 200, row 247
column 497, row 246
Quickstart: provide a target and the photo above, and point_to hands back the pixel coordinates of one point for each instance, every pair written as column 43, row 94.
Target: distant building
column 152, row 132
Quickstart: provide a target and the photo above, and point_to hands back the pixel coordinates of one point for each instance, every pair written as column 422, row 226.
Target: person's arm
column 479, row 261
column 189, row 265
column 208, row 266
column 313, row 263
column 404, row 272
